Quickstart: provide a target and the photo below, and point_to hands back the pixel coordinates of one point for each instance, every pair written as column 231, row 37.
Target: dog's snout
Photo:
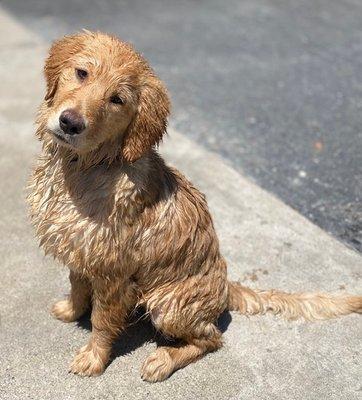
column 71, row 122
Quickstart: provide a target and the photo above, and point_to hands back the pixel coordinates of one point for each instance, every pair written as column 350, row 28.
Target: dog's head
column 99, row 90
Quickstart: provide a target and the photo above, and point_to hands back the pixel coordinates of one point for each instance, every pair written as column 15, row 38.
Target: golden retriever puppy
column 132, row 230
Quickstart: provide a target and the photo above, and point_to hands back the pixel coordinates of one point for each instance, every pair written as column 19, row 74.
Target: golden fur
column 132, row 230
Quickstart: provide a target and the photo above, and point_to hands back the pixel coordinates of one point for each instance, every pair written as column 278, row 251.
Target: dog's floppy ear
column 59, row 54
column 150, row 122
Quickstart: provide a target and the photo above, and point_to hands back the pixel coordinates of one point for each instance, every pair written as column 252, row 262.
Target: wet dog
column 132, row 230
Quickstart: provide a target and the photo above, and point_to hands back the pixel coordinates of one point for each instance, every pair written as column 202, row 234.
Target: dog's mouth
column 60, row 137
column 65, row 140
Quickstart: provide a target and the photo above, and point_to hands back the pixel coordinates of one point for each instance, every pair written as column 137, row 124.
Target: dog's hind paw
column 158, row 366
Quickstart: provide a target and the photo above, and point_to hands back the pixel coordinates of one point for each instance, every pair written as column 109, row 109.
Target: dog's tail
column 310, row 306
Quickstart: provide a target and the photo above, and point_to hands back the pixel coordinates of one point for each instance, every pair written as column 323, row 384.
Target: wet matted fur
column 132, row 230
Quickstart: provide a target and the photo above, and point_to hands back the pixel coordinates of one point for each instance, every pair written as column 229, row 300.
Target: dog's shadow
column 140, row 331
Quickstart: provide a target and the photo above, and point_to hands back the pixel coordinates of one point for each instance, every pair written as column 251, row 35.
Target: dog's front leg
column 111, row 302
column 77, row 303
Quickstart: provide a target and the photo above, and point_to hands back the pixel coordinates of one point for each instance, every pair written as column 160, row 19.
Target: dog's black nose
column 71, row 122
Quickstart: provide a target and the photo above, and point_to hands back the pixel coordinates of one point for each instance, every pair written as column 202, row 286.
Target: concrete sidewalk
column 265, row 243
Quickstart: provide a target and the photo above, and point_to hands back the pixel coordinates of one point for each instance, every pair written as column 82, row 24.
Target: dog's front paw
column 65, row 311
column 88, row 362
column 158, row 366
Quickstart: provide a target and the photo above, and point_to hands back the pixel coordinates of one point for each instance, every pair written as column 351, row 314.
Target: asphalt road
column 274, row 87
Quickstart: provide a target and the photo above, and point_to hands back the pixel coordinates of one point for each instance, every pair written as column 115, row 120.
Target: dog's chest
column 77, row 217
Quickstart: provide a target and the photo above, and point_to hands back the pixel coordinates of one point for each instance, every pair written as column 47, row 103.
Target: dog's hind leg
column 186, row 311
column 166, row 359
column 72, row 308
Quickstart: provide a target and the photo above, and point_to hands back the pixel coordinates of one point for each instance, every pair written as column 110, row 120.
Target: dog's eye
column 116, row 100
column 81, row 73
